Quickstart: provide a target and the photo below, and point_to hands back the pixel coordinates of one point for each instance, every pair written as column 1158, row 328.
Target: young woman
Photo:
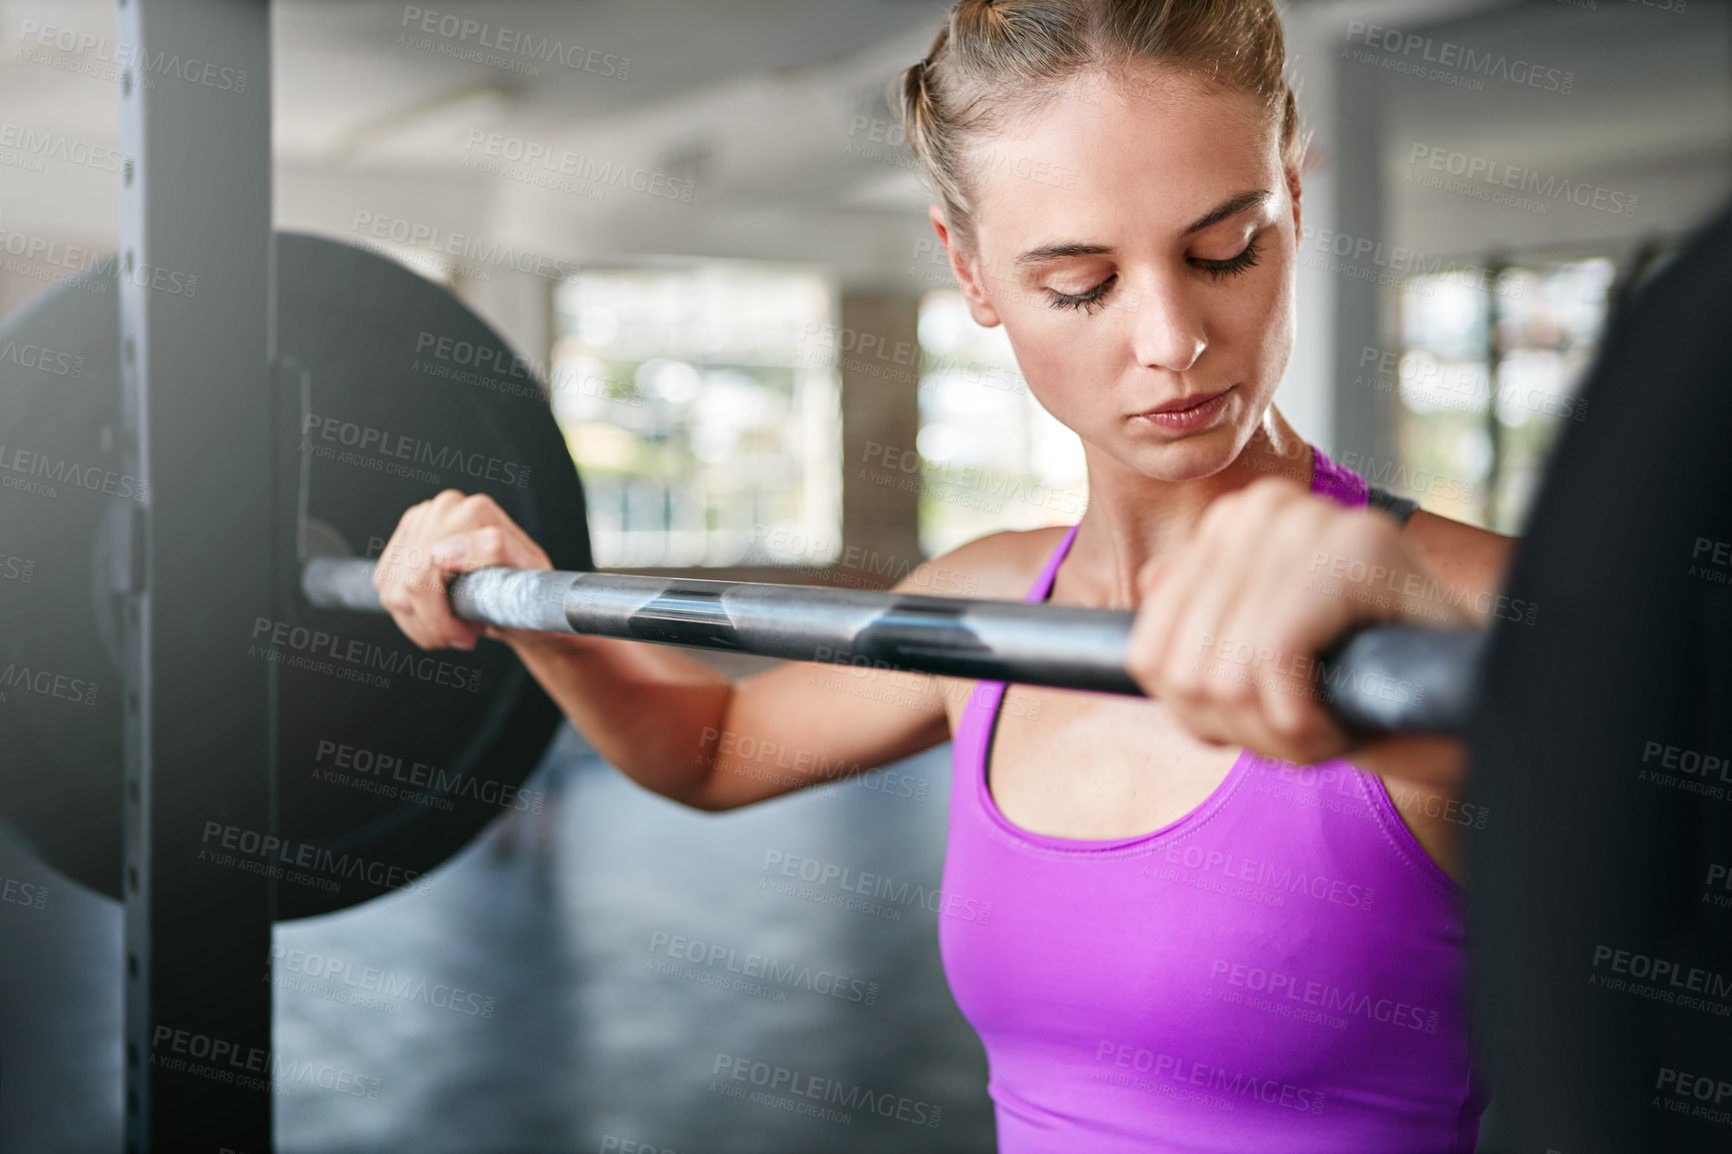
column 1192, row 948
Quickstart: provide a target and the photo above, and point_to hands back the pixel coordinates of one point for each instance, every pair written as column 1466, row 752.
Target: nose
column 1167, row 329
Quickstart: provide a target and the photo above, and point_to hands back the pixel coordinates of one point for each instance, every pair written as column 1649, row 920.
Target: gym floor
column 542, row 993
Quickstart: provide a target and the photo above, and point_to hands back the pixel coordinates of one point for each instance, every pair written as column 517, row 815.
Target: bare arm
column 688, row 732
column 668, row 721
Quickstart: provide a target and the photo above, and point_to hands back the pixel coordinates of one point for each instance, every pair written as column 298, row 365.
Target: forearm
column 649, row 710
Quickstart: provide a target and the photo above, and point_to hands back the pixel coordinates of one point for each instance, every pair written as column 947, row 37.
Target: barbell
column 1401, row 678
column 389, row 389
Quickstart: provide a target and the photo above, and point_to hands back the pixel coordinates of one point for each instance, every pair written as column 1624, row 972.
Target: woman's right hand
column 434, row 542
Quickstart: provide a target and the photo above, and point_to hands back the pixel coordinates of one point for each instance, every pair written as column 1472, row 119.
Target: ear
column 966, row 268
column 1294, row 189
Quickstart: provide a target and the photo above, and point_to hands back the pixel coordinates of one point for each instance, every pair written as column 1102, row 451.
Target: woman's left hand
column 1232, row 622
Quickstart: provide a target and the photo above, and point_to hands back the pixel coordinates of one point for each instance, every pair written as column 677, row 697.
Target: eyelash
column 1081, row 300
column 1215, row 268
column 1231, row 267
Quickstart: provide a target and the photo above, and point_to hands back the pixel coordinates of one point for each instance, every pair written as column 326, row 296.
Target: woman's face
column 1136, row 239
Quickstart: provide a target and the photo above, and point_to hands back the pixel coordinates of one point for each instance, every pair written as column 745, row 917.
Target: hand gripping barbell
column 1404, row 678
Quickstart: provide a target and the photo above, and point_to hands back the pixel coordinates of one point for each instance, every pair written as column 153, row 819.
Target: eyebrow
column 1232, row 206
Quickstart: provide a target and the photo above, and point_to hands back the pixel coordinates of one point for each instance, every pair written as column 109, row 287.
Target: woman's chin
column 1190, row 458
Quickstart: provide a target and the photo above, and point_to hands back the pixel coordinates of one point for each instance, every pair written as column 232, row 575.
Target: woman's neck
column 1133, row 519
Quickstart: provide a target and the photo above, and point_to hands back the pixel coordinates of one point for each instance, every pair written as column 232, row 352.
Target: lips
column 1193, row 401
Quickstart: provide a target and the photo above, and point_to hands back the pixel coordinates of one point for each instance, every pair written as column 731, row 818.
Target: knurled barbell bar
column 1410, row 679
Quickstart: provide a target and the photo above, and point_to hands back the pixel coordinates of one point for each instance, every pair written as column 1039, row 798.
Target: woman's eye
column 1080, row 300
column 1232, row 266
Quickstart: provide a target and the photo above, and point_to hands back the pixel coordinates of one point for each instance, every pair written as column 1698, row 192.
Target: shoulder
column 1461, row 554
column 997, row 567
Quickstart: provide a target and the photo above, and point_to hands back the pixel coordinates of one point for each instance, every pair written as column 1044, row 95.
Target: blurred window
column 1489, row 374
column 991, row 457
column 698, row 428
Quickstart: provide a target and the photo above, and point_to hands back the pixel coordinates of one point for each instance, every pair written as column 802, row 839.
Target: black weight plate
column 60, row 686
column 390, row 351
column 1600, row 752
column 391, row 759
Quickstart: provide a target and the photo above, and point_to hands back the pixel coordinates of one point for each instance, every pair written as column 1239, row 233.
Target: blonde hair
column 994, row 59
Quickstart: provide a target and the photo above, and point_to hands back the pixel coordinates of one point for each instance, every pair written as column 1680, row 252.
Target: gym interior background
column 704, row 233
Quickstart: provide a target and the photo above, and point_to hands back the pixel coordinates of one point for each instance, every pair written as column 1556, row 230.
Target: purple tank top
column 1282, row 969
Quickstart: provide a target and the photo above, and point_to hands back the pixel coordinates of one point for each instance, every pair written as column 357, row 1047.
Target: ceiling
column 1648, row 116
column 774, row 110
